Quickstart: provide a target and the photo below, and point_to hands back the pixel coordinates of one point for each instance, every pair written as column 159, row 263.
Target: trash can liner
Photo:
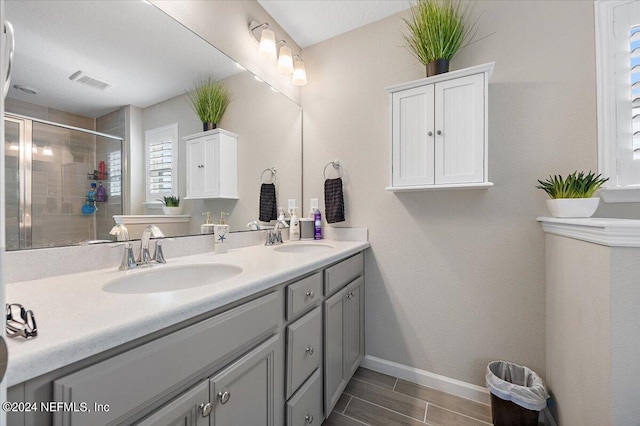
column 518, row 384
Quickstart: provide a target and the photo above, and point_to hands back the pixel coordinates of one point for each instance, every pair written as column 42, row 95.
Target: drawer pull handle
column 310, row 294
column 309, row 350
column 224, row 397
column 308, row 418
column 205, row 409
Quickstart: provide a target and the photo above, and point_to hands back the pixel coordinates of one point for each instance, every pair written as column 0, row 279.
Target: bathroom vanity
column 274, row 345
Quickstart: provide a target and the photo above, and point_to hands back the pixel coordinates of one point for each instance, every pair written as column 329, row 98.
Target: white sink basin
column 171, row 278
column 303, row 248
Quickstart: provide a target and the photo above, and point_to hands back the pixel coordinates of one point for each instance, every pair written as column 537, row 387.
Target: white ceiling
column 144, row 53
column 311, row 21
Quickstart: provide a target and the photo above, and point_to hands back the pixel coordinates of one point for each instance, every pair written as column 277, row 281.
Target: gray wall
column 456, row 278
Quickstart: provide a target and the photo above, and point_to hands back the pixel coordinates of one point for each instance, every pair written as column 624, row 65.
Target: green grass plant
column 575, row 185
column 438, row 29
column 210, row 100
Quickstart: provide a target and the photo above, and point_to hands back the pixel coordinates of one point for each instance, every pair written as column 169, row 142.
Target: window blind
column 634, row 58
column 160, row 167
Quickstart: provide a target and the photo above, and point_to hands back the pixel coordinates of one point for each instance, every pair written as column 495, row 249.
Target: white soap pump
column 294, row 226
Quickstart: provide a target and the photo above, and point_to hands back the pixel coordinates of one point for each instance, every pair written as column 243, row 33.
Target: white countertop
column 77, row 319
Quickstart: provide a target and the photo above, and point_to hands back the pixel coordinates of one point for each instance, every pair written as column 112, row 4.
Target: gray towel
column 268, row 209
column 333, row 200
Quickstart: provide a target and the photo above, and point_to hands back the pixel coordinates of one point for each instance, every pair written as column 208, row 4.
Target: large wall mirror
column 70, row 127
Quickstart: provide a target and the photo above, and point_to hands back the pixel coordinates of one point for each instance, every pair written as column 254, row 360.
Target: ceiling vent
column 89, row 80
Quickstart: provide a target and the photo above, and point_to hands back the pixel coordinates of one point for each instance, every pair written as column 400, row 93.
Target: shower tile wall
column 59, row 182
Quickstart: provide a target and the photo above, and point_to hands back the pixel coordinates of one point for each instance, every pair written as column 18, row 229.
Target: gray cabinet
column 304, row 349
column 305, row 407
column 189, row 409
column 244, row 392
column 344, row 339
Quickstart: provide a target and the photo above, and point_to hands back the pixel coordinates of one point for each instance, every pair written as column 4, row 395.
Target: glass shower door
column 16, row 228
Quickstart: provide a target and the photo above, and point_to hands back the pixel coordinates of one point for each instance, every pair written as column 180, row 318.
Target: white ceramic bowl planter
column 172, row 210
column 573, row 207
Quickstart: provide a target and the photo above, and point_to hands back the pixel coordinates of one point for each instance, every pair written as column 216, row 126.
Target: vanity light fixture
column 288, row 63
column 267, row 48
column 26, row 89
column 285, row 60
column 299, row 72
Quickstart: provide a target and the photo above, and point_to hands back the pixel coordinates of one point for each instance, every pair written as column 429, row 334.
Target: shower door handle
column 10, row 44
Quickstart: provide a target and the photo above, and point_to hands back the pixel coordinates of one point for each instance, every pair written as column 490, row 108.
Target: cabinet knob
column 430, row 133
column 205, row 409
column 309, row 350
column 224, row 397
column 310, row 294
column 439, row 132
column 308, row 418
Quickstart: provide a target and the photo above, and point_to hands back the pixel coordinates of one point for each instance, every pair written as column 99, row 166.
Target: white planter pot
column 573, row 207
column 172, row 210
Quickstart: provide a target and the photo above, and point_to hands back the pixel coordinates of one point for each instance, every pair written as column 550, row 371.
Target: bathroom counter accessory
column 101, row 321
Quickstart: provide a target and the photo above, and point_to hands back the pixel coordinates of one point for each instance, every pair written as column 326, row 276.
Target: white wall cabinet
column 439, row 131
column 212, row 165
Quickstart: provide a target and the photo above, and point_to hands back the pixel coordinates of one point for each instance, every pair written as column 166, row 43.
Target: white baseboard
column 425, row 378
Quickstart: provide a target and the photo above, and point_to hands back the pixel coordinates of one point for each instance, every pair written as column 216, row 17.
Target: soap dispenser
column 220, row 232
column 207, row 226
column 294, row 226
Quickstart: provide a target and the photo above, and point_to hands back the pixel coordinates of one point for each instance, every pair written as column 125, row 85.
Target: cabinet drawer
column 304, row 348
column 303, row 294
column 131, row 381
column 343, row 273
column 305, row 408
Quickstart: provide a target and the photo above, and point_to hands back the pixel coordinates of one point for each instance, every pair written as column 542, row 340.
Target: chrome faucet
column 274, row 236
column 151, row 231
column 128, row 259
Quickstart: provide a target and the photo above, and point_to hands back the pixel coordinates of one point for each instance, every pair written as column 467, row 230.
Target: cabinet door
column 413, row 136
column 195, row 168
column 186, row 410
column 459, row 124
column 334, row 382
column 211, row 166
column 244, row 391
column 354, row 327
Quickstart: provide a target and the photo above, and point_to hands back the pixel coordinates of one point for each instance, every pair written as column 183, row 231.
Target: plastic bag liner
column 518, row 384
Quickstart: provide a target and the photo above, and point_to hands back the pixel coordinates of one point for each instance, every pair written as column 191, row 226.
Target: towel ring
column 336, row 165
column 274, row 175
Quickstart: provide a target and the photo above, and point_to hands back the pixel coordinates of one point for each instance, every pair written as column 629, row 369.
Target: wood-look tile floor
column 376, row 399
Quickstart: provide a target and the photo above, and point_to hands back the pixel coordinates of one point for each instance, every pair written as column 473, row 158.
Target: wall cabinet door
column 195, row 168
column 244, row 392
column 459, row 124
column 413, row 136
column 189, row 409
column 344, row 339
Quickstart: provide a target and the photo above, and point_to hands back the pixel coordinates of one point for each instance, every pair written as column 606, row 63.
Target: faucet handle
column 128, row 259
column 159, row 254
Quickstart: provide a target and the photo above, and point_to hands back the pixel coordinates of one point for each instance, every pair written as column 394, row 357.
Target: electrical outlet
column 314, row 203
column 291, row 203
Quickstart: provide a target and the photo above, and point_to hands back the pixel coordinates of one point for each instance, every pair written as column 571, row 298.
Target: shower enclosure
column 49, row 169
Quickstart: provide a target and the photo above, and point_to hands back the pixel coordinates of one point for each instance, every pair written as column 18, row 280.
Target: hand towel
column 268, row 209
column 333, row 200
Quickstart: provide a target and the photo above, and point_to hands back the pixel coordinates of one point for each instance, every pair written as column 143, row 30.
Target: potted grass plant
column 171, row 205
column 209, row 101
column 572, row 196
column 438, row 29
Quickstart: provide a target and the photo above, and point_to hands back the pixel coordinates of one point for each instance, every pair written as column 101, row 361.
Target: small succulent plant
column 170, row 201
column 575, row 185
